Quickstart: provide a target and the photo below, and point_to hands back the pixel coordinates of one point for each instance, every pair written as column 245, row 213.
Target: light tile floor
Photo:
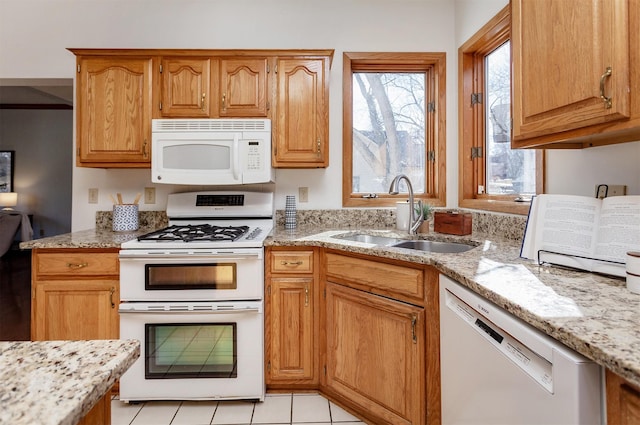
column 307, row 409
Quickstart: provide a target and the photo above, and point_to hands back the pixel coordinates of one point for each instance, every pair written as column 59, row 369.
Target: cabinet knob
column 224, row 106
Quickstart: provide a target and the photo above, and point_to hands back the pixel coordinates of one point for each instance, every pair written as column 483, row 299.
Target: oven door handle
column 192, row 258
column 187, row 311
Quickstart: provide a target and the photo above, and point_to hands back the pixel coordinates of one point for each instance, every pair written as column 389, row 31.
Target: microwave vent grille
column 180, row 125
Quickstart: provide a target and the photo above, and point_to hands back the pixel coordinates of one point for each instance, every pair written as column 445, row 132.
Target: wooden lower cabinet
column 623, row 401
column 75, row 294
column 362, row 330
column 100, row 414
column 292, row 336
column 375, row 355
column 292, row 352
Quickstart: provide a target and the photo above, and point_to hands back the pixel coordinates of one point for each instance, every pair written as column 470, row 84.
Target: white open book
column 582, row 232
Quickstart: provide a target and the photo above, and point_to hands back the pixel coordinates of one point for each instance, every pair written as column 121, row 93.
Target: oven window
column 193, row 350
column 191, row 276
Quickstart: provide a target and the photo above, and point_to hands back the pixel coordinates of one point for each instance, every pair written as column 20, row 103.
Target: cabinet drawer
column 76, row 264
column 376, row 276
column 292, row 262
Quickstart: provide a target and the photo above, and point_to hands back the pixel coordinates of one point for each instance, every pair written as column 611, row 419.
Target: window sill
column 494, row 205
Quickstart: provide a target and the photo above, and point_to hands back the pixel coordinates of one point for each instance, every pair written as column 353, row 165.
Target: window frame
column 471, row 121
column 434, row 65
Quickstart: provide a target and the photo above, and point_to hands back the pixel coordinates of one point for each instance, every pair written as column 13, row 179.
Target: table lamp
column 8, row 200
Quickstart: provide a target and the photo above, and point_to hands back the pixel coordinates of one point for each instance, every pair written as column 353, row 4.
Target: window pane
column 508, row 171
column 388, row 130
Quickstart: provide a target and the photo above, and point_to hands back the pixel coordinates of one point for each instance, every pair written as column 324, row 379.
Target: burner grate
column 199, row 232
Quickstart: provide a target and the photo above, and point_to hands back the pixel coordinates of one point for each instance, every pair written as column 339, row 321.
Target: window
column 493, row 176
column 393, row 123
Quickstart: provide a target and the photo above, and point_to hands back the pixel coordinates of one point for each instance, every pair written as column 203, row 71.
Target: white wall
column 35, row 33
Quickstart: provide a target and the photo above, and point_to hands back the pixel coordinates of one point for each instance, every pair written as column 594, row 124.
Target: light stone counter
column 58, row 382
column 593, row 314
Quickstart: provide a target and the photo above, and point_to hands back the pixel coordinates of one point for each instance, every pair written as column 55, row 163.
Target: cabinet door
column 623, row 401
column 75, row 310
column 301, row 127
column 243, row 87
column 186, row 87
column 375, row 354
column 114, row 112
column 291, row 340
column 561, row 50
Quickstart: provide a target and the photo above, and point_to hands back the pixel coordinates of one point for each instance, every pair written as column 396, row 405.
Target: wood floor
column 15, row 296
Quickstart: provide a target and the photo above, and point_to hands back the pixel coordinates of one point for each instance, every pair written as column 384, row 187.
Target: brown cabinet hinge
column 431, row 156
column 476, row 152
column 431, row 107
column 476, row 98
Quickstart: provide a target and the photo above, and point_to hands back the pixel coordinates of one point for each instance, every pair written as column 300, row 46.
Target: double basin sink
column 416, row 244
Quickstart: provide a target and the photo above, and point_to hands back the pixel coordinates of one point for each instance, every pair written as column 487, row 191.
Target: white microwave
column 211, row 151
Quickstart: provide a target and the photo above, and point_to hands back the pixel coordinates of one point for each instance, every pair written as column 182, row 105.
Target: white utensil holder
column 125, row 217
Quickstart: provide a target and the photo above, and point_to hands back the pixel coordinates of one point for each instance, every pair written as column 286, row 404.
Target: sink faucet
column 414, row 222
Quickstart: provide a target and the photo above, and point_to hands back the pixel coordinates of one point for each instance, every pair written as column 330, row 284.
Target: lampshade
column 8, row 199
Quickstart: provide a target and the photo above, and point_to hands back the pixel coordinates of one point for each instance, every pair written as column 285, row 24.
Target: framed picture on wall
column 7, row 159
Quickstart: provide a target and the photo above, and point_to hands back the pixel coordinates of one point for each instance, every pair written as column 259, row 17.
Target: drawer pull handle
column 291, row 263
column 414, row 320
column 306, row 295
column 76, row 266
column 605, row 99
column 111, row 292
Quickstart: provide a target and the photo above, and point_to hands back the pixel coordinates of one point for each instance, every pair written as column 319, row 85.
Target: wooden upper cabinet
column 243, row 87
column 301, row 127
column 572, row 71
column 113, row 100
column 186, row 87
column 119, row 92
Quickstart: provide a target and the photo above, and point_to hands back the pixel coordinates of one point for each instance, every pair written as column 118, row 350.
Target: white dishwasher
column 496, row 369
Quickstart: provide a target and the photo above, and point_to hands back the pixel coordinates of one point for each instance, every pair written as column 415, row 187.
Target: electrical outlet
column 605, row 190
column 149, row 195
column 93, row 195
column 303, row 194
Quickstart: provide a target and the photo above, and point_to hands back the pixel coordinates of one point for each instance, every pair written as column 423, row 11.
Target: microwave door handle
column 236, row 156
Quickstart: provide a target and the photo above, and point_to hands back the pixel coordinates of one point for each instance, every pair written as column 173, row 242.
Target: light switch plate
column 149, row 195
column 303, row 194
column 93, row 195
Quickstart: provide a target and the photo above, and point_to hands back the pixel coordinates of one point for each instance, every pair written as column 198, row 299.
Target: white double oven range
column 193, row 294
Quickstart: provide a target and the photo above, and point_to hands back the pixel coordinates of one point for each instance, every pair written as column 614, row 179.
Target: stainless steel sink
column 433, row 246
column 376, row 240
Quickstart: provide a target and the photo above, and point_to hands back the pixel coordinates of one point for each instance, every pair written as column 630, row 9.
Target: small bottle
column 290, row 220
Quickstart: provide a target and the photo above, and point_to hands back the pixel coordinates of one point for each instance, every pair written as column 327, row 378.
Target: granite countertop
column 593, row 314
column 92, row 238
column 58, row 382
